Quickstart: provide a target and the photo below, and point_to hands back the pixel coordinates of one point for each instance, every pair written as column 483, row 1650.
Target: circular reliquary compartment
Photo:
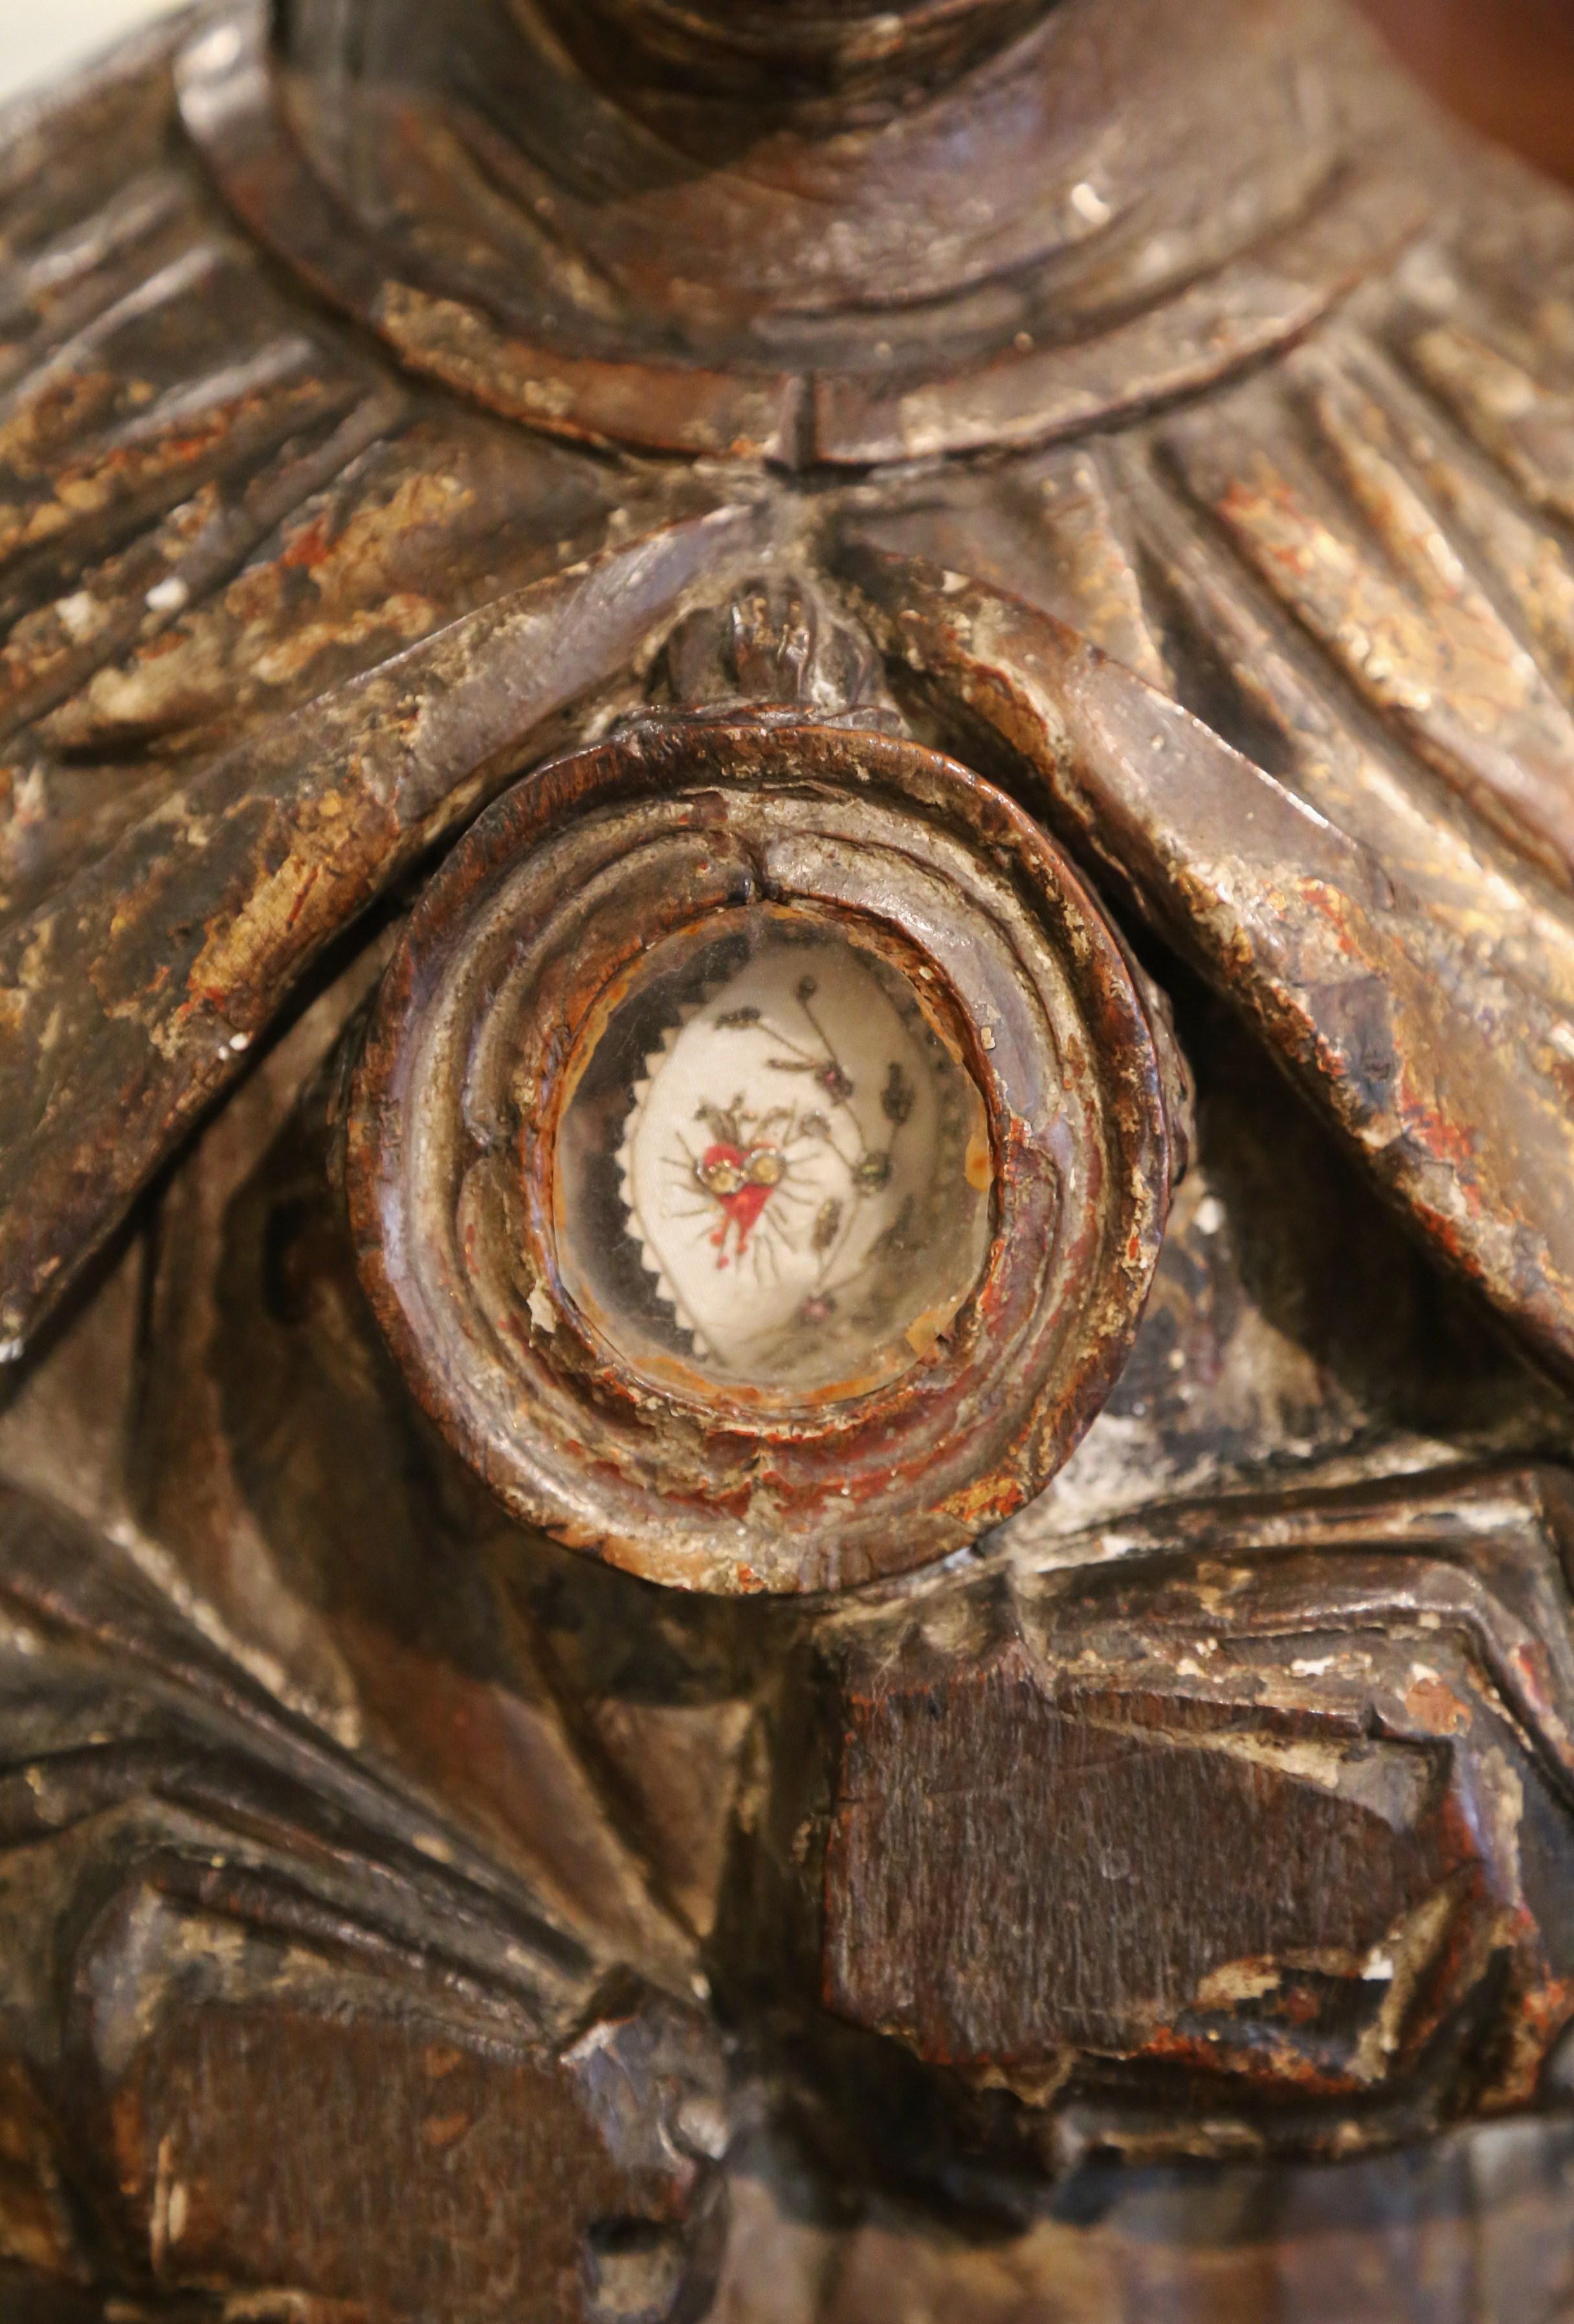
column 759, row 1155
column 774, row 1167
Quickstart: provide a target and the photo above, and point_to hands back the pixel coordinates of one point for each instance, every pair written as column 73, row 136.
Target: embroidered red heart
column 740, row 1181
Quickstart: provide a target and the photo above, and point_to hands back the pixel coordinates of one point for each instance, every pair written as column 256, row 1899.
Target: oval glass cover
column 773, row 1169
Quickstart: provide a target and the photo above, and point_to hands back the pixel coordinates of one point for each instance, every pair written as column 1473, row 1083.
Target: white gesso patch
column 41, row 43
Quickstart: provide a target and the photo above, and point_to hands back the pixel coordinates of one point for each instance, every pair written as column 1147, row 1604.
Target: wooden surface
column 1163, row 1907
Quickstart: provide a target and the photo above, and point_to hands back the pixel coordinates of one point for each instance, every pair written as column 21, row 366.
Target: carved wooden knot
column 760, row 1154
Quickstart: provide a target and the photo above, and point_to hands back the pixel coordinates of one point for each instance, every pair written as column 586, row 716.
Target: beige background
column 39, row 39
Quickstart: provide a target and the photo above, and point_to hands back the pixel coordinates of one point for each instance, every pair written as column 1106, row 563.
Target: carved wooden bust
column 787, row 1174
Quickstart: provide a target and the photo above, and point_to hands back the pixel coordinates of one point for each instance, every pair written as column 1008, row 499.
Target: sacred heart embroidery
column 793, row 1150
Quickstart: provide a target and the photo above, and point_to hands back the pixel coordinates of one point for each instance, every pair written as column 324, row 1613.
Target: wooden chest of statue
column 787, row 1174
